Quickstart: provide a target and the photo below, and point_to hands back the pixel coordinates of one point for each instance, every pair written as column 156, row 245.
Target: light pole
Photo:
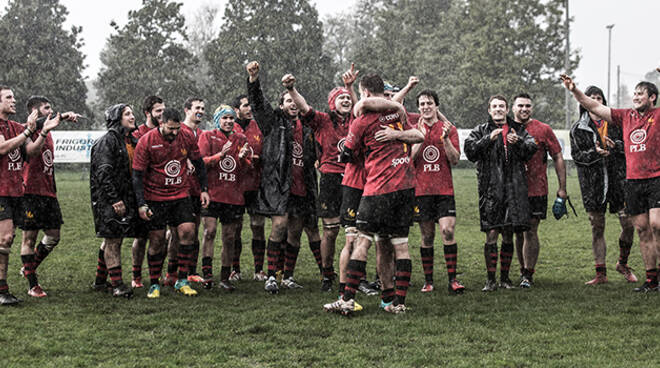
column 609, row 57
column 567, row 54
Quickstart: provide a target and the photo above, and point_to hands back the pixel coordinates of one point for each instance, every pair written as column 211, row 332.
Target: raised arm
column 377, row 104
column 8, row 145
column 591, row 105
column 263, row 112
column 34, row 148
column 289, row 82
column 399, row 96
column 349, row 79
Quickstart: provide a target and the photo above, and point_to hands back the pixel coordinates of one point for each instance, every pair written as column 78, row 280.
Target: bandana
column 221, row 111
column 332, row 96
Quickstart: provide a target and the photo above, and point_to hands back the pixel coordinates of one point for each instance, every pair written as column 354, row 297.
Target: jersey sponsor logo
column 431, row 154
column 157, row 146
column 15, row 163
column 637, row 138
column 47, row 157
column 400, row 161
column 173, row 168
column 184, row 151
column 388, row 118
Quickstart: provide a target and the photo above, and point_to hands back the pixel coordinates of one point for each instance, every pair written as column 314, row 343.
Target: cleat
column 279, row 275
column 648, row 286
column 326, row 284
column 290, row 283
column 376, row 285
column 8, row 299
column 506, row 284
column 491, row 285
column 154, row 291
column 208, row 283
column 395, row 309
column 455, row 287
column 365, row 289
column 195, row 278
column 271, row 285
column 226, row 285
column 102, row 287
column 525, row 283
column 22, row 272
column 342, row 306
column 122, row 291
column 384, row 305
column 137, row 283
column 183, row 287
column 427, row 288
column 599, row 279
column 235, row 276
column 626, row 271
column 259, row 276
column 37, row 292
column 170, row 280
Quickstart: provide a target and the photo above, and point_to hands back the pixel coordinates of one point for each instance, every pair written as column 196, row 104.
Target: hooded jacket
column 600, row 177
column 501, row 175
column 276, row 156
column 110, row 179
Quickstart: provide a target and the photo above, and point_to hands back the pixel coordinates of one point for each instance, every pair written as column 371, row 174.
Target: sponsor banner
column 562, row 136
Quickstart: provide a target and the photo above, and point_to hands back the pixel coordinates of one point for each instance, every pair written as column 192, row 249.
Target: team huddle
column 367, row 166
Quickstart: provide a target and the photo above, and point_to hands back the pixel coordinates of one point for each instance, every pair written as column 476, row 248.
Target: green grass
column 558, row 323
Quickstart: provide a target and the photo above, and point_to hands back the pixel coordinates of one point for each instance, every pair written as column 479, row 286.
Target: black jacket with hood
column 501, row 176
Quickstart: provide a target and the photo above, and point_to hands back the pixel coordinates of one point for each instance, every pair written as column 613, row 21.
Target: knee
column 6, row 240
column 448, row 233
column 209, row 233
column 50, row 241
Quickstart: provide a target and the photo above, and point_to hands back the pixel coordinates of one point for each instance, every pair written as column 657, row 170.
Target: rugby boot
column 341, row 306
column 207, row 283
column 326, row 284
column 599, row 279
column 101, row 287
column 491, row 285
column 364, row 287
column 647, row 287
column 183, row 287
column 376, row 285
column 525, row 282
column 154, row 292
column 427, row 288
column 226, row 285
column 626, row 271
column 506, row 283
column 8, row 299
column 235, row 276
column 37, row 292
column 137, row 283
column 170, row 280
column 195, row 278
column 290, row 283
column 395, row 309
column 122, row 290
column 271, row 285
column 455, row 287
column 259, row 276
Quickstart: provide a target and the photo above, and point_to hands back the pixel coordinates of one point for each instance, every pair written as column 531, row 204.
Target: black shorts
column 170, row 213
column 11, row 208
column 434, row 207
column 251, row 201
column 41, row 212
column 389, row 214
column 350, row 202
column 330, row 195
column 298, row 206
column 538, row 207
column 226, row 213
column 642, row 195
column 196, row 204
column 616, row 203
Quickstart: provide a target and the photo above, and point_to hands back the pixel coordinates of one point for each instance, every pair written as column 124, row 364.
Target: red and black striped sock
column 4, row 288
column 624, row 251
column 192, row 268
column 427, row 263
column 490, row 253
column 329, row 272
column 115, row 276
column 601, row 269
column 451, row 259
column 40, row 253
column 652, row 277
column 258, row 250
column 184, row 256
column 155, row 263
column 506, row 257
column 282, row 257
column 137, row 271
column 315, row 247
column 273, row 251
column 354, row 273
column 402, row 279
column 29, row 267
column 101, row 269
column 207, row 267
column 387, row 295
column 173, row 265
column 225, row 271
column 291, row 257
column 238, row 249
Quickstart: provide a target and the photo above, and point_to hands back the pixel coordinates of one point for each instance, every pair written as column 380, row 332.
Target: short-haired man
column 527, row 243
column 15, row 144
column 41, row 209
column 161, row 188
column 434, row 192
column 641, row 141
column 500, row 148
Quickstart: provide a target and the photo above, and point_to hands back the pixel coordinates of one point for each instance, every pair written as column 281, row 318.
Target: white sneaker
column 271, row 285
column 259, row 276
column 234, row 276
column 341, row 306
column 290, row 283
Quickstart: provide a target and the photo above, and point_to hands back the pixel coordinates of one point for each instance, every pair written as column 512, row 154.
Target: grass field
column 559, row 323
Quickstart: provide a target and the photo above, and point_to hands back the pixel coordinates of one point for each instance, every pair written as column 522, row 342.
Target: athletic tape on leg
column 397, row 241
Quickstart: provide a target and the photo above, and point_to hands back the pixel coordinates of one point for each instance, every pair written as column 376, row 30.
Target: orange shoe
column 137, row 283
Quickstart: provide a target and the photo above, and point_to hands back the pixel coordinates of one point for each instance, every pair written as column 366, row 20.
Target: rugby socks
column 101, row 269
column 387, row 295
column 601, row 269
column 329, row 273
column 315, row 247
column 451, row 259
column 427, row 263
column 402, row 280
column 354, row 272
column 192, row 268
column 225, row 271
column 185, row 258
column 273, row 253
column 529, row 273
column 282, row 257
column 207, row 267
column 137, row 271
column 29, row 267
column 4, row 288
column 342, row 287
column 624, row 251
column 490, row 253
column 506, row 257
column 155, row 263
column 258, row 250
column 291, row 257
column 115, row 276
column 173, row 265
column 652, row 277
column 236, row 259
column 40, row 253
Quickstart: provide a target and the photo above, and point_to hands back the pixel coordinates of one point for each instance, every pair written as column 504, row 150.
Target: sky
column 635, row 42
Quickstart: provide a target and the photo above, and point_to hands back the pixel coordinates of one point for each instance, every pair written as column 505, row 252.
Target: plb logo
column 340, row 144
column 14, row 155
column 15, row 163
column 173, row 168
column 228, row 164
column 431, row 154
column 47, row 157
column 637, row 139
column 297, row 150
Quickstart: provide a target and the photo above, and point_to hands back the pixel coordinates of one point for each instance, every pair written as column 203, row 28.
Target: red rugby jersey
column 252, row 174
column 641, row 137
column 432, row 168
column 193, row 182
column 11, row 164
column 331, row 138
column 225, row 177
column 141, row 130
column 165, row 164
column 537, row 166
column 387, row 164
column 38, row 177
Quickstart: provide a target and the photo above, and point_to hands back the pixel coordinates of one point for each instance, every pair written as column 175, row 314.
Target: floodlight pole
column 609, row 58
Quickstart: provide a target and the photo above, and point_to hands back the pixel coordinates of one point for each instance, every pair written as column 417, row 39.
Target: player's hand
column 205, row 199
column 244, row 151
column 446, row 128
column 32, row 121
column 350, row 76
column 120, row 208
column 561, row 193
column 512, row 137
column 253, row 70
column 495, row 133
column 386, row 134
column 602, row 152
column 70, row 116
column 145, row 212
column 288, row 81
column 442, row 117
column 412, row 82
column 225, row 148
column 51, row 123
column 568, row 82
column 609, row 143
